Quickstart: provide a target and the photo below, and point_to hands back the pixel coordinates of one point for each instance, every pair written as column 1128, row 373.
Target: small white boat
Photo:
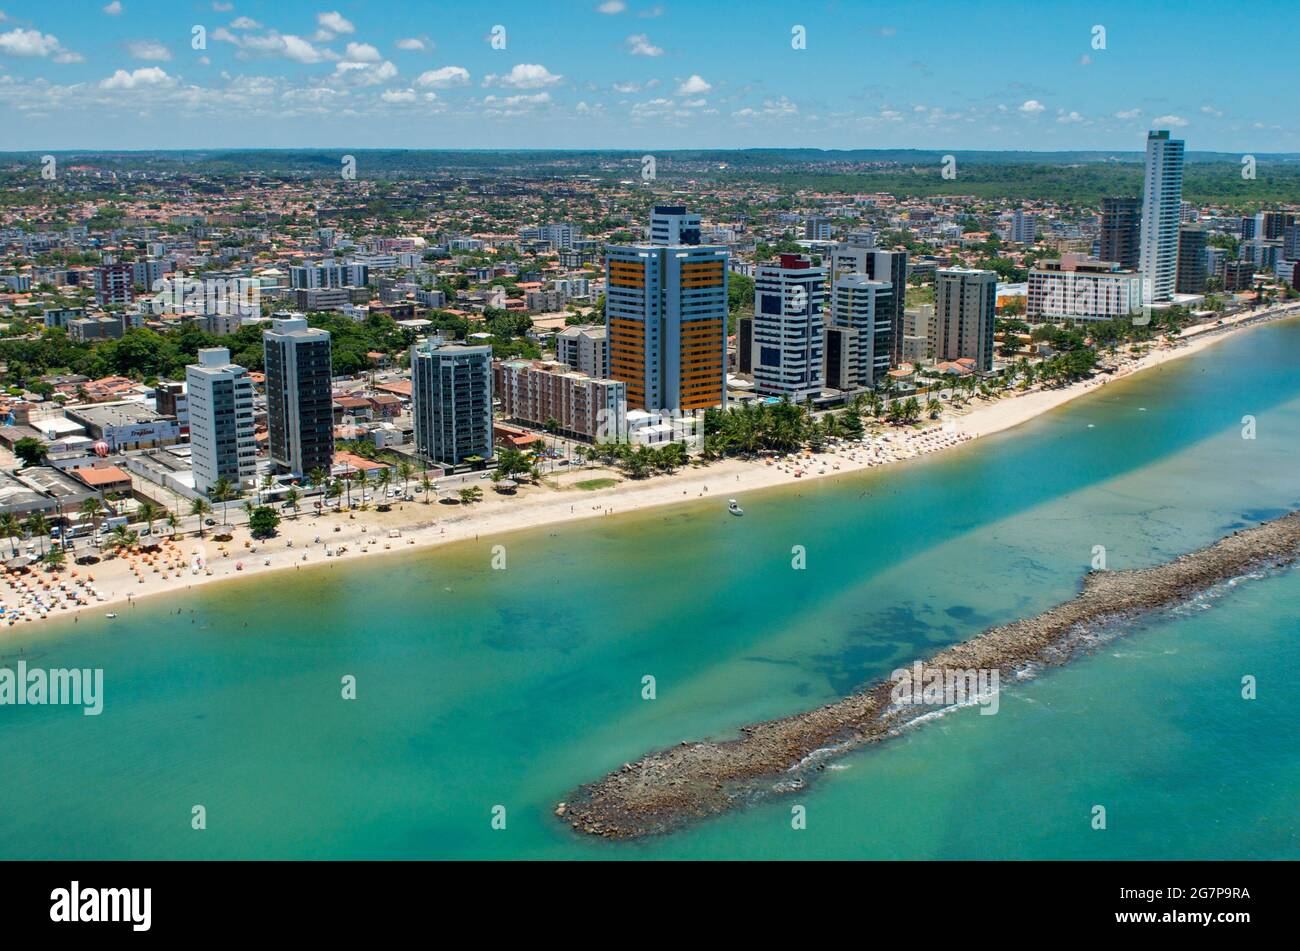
column 734, row 507
column 110, row 616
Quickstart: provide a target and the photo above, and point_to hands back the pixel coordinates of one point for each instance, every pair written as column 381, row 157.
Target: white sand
column 365, row 534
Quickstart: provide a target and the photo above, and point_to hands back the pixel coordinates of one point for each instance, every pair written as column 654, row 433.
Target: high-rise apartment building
column 673, row 224
column 788, row 301
column 666, row 319
column 745, row 345
column 451, row 401
column 840, row 358
column 859, row 255
column 582, row 348
column 114, row 284
column 1291, row 243
column 1238, row 275
column 965, row 311
column 1192, row 262
column 1273, row 223
column 1161, row 203
column 1121, row 227
column 1024, row 227
column 299, row 396
column 220, row 399
column 328, row 274
column 817, row 228
column 866, row 306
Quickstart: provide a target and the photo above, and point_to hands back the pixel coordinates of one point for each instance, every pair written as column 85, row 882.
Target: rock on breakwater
column 666, row 789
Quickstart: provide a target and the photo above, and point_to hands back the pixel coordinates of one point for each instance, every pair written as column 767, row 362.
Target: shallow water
column 479, row 688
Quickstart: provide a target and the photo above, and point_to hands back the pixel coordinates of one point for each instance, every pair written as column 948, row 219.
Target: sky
column 646, row 74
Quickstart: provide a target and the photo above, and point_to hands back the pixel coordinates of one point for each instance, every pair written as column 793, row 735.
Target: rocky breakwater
column 665, row 789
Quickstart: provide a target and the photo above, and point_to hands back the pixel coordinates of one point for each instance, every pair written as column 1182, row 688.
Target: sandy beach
column 310, row 539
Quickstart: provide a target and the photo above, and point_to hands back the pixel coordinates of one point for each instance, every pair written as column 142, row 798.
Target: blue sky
column 646, row 74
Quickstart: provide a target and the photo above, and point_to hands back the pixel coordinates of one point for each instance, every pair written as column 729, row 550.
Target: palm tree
column 10, row 528
column 91, row 508
column 383, row 479
column 173, row 522
column 426, row 485
column 222, row 491
column 54, row 558
column 470, row 494
column 405, row 470
column 361, row 481
column 37, row 525
column 317, row 477
column 291, row 499
column 349, row 478
column 200, row 508
column 149, row 511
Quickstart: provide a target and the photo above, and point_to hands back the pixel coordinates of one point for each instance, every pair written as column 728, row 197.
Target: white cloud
column 627, row 87
column 1176, row 122
column 244, row 23
column 149, row 51
column 444, row 77
column 1128, row 114
column 222, row 7
column 299, row 50
column 335, row 22
column 525, row 76
column 364, row 74
column 612, row 7
column 693, row 86
column 640, row 45
column 145, row 76
column 35, row 43
column 362, row 53
column 414, row 44
column 515, row 105
column 655, row 11
column 114, row 8
column 398, row 95
column 1068, row 117
column 1209, row 110
column 1032, row 107
column 1085, row 60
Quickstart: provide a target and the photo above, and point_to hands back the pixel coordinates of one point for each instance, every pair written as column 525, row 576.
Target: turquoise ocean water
column 479, row 688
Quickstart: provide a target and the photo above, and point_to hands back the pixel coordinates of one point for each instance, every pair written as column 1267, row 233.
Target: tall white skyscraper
column 1162, row 200
column 673, row 224
column 221, row 421
column 866, row 306
column 965, row 311
column 788, row 328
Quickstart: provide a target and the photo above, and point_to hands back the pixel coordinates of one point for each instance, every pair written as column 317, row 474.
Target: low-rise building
column 126, row 425
column 1079, row 288
column 537, row 392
